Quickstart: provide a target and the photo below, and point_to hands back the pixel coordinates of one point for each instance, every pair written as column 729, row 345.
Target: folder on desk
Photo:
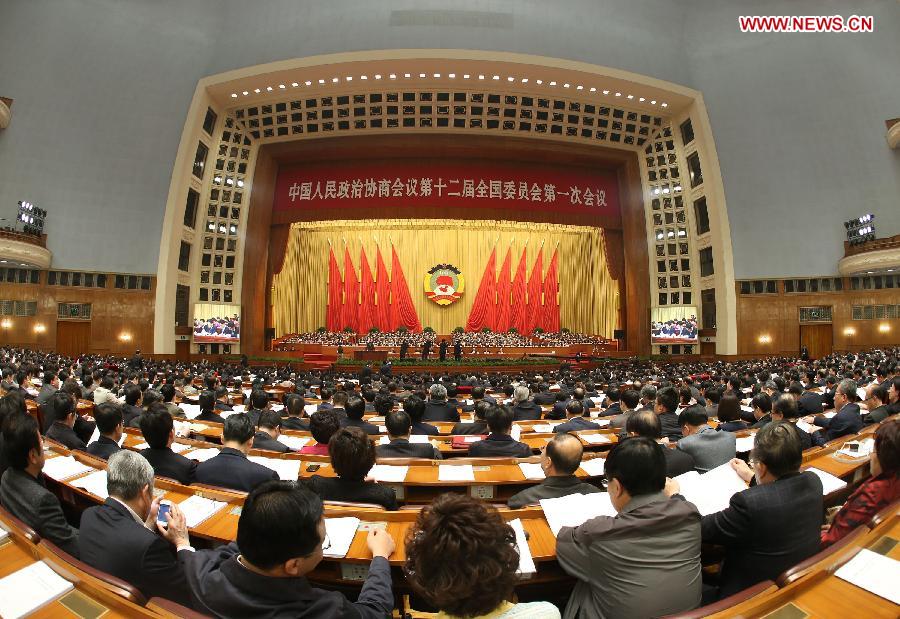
column 873, row 572
column 288, row 470
column 711, row 492
column 576, row 509
column 64, row 467
column 294, row 442
column 202, row 455
column 595, row 439
column 463, row 441
column 388, row 473
column 830, row 483
column 744, row 444
column 532, row 470
column 459, row 472
column 339, row 535
column 526, row 561
column 95, row 483
column 30, row 588
column 197, row 509
column 191, row 411
column 594, row 467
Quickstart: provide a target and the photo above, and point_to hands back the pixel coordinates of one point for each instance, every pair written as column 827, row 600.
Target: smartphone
column 163, row 516
column 312, row 468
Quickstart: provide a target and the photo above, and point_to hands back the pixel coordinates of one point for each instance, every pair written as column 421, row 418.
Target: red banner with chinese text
column 407, row 184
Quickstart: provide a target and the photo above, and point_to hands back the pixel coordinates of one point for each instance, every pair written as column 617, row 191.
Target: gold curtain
column 589, row 298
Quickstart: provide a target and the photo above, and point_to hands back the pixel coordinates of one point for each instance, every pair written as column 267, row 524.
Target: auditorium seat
column 353, row 505
column 17, row 528
column 172, row 610
column 828, row 559
column 53, row 554
column 726, row 604
column 888, row 513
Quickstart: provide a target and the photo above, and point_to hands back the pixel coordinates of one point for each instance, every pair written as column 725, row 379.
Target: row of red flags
column 384, row 301
column 505, row 302
column 364, row 302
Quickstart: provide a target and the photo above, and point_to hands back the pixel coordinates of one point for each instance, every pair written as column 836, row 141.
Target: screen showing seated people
column 216, row 323
column 673, row 325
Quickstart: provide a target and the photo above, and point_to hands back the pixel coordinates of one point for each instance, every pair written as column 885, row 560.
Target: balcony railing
column 892, row 242
column 33, row 239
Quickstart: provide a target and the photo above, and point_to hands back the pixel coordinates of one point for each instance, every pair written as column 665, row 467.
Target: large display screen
column 217, row 323
column 674, row 325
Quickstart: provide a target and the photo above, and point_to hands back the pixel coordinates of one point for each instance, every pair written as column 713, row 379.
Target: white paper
column 830, row 483
column 873, row 572
column 516, row 432
column 176, row 447
column 64, row 467
column 711, row 492
column 544, row 427
column 595, row 439
column 294, row 442
column 419, row 438
column 743, row 444
column 747, row 409
column 191, row 411
column 96, row 436
column 309, row 409
column 459, row 472
column 288, row 470
column 861, row 393
column 576, row 509
column 276, row 408
column 594, row 467
column 532, row 470
column 388, row 473
column 95, row 483
column 526, row 561
column 340, row 533
column 197, row 509
column 30, row 588
column 603, row 422
column 807, row 427
column 202, row 455
column 829, row 415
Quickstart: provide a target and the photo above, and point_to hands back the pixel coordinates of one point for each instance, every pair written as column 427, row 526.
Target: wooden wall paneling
column 73, row 337
column 817, row 338
column 636, row 302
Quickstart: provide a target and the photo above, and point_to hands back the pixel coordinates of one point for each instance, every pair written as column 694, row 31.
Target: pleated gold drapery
column 588, row 296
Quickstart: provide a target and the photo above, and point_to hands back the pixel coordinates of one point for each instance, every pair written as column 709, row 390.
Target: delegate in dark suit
column 670, row 428
column 262, row 440
column 526, row 411
column 499, row 445
column 61, row 433
column 225, row 588
column 766, row 529
column 847, row 421
column 103, row 447
column 365, row 426
column 440, row 411
column 232, row 469
column 810, row 403
column 551, row 488
column 294, row 423
column 28, row 499
column 337, row 489
column 167, row 463
column 575, row 424
column 113, row 541
column 402, row 448
column 678, row 462
column 544, row 397
column 478, row 427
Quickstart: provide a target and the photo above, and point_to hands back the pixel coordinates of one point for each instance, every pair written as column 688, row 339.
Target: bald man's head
column 564, row 452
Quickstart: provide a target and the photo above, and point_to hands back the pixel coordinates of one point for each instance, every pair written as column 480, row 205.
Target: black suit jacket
column 222, row 587
column 28, row 499
column 766, row 529
column 210, row 416
column 61, row 433
column 526, row 411
column 544, row 397
column 440, row 411
column 402, row 448
column 112, row 541
column 294, row 423
column 129, row 412
column 368, row 428
column 670, row 427
column 810, row 403
column 167, row 463
column 477, row 427
column 232, row 469
column 420, row 427
column 577, row 423
column 847, row 421
column 262, row 440
column 677, row 462
column 499, row 445
column 337, row 489
column 103, row 447
column 559, row 410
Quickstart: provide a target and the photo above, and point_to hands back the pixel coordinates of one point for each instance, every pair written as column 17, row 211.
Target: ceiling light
column 538, row 82
column 363, row 77
column 593, row 89
column 281, row 86
column 481, row 77
column 641, row 99
column 349, row 78
column 553, row 83
column 451, row 75
column 653, row 102
column 234, row 95
column 295, row 84
column 246, row 93
column 421, row 75
column 393, row 76
column 378, row 76
column 335, row 80
column 436, row 75
column 321, row 81
column 665, row 105
column 496, row 77
column 524, row 80
column 631, row 96
column 466, row 76
column 510, row 79
column 308, row 83
column 618, row 94
column 269, row 88
column 579, row 87
column 407, row 75
column 256, row 90
column 605, row 92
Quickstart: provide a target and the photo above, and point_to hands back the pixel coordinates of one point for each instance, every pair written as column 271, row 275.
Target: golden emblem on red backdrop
column 444, row 284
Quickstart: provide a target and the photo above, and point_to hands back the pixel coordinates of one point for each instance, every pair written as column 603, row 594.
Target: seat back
column 828, row 559
column 172, row 610
column 17, row 528
column 54, row 554
column 885, row 514
column 724, row 604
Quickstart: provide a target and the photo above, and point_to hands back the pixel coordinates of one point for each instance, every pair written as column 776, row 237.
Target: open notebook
column 576, row 509
column 30, row 588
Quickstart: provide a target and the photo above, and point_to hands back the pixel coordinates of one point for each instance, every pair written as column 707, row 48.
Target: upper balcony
column 879, row 255
column 24, row 249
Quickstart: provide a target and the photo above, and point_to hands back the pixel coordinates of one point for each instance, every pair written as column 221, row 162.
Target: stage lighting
column 860, row 229
column 31, row 217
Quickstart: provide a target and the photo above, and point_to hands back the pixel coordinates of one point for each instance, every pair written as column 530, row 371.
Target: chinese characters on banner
column 406, row 183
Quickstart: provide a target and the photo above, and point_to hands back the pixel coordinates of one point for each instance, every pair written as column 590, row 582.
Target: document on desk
column 95, row 483
column 526, row 561
column 197, row 509
column 309, row 409
column 594, row 467
column 458, row 472
column 202, row 455
column 288, row 470
column 339, row 534
column 191, row 411
column 532, row 470
column 30, row 588
column 744, row 444
column 238, row 408
column 389, row 473
column 419, row 438
column 595, row 439
column 64, row 467
column 176, row 447
column 711, row 492
column 294, row 442
column 96, row 437
column 544, row 427
column 830, row 483
column 807, row 427
column 873, row 572
column 576, row 509
column 516, row 432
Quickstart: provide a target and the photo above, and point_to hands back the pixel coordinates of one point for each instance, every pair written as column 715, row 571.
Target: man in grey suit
column 708, row 447
column 22, row 490
column 559, row 461
column 653, row 541
column 48, row 388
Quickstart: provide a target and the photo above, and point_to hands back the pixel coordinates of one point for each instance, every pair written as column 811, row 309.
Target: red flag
column 550, row 320
column 535, row 308
column 484, row 308
column 367, row 296
column 350, row 314
column 517, row 311
column 335, row 294
column 382, row 295
column 406, row 311
column 504, row 285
